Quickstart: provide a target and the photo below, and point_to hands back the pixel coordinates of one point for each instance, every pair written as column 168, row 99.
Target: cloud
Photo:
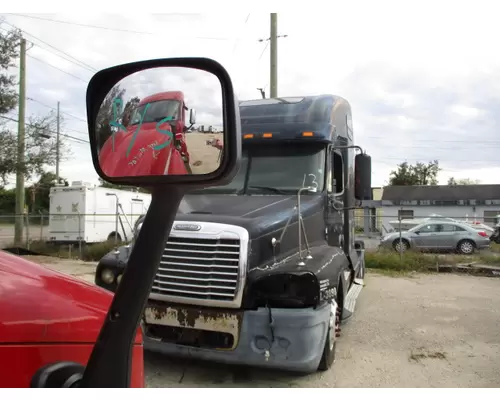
column 422, row 85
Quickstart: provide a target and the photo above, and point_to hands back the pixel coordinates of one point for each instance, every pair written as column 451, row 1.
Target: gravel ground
column 421, row 331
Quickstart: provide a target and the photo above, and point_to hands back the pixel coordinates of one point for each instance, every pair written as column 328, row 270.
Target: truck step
column 359, row 281
column 352, row 296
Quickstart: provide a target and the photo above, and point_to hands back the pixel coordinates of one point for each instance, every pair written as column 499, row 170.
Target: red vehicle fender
column 47, row 316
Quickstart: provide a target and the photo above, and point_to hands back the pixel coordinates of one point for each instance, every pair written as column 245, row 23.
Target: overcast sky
column 423, row 83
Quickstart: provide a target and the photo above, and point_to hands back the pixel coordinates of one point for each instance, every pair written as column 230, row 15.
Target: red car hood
column 38, row 304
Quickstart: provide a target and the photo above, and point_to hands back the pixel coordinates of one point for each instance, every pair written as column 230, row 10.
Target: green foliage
column 91, row 252
column 40, row 138
column 9, row 53
column 418, row 174
column 7, row 202
column 95, row 252
column 37, row 195
column 103, row 183
column 467, row 181
column 421, row 262
column 106, row 115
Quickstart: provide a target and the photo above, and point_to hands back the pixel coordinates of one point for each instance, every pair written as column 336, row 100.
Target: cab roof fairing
column 286, row 118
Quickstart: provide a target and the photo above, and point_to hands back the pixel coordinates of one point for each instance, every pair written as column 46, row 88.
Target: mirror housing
column 363, row 177
column 103, row 81
column 192, row 116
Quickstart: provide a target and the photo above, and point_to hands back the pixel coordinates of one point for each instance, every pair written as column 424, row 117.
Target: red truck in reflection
column 151, row 140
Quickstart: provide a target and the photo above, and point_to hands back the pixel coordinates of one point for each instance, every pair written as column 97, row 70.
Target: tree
column 40, row 150
column 109, row 112
column 103, row 183
column 40, row 138
column 418, row 174
column 9, row 53
column 37, row 195
column 128, row 109
column 467, row 181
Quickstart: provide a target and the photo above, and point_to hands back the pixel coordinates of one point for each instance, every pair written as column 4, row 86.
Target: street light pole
column 116, row 215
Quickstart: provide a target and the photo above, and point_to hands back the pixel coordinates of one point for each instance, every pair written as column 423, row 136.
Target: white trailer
column 91, row 214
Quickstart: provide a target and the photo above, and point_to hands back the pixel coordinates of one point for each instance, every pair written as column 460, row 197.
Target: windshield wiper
column 268, row 188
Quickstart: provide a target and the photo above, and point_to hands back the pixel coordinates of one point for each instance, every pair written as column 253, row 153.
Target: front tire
column 328, row 357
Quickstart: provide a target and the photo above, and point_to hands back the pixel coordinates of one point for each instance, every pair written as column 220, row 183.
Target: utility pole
column 274, row 55
column 18, row 229
column 57, row 144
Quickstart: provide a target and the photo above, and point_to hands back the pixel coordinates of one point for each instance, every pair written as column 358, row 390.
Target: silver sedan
column 438, row 235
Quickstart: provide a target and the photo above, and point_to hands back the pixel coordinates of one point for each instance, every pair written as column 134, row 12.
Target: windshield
column 156, row 111
column 276, row 169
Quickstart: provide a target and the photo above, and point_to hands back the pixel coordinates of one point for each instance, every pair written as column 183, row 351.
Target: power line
column 54, row 108
column 59, row 69
column 82, row 25
column 116, row 29
column 80, row 140
column 76, row 60
column 261, row 54
column 242, row 30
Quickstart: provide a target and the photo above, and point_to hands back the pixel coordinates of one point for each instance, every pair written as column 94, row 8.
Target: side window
column 447, row 228
column 459, row 229
column 338, row 172
column 429, row 228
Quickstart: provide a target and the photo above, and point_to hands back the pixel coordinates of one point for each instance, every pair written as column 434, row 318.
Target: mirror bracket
column 109, row 364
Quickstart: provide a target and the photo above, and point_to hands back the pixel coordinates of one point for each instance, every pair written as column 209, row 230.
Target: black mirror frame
column 103, row 81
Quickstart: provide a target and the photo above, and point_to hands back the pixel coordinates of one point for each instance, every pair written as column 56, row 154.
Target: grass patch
column 97, row 251
column 391, row 263
column 90, row 252
column 495, row 247
column 392, row 273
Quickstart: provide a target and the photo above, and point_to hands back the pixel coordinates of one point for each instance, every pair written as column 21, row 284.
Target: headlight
column 107, row 276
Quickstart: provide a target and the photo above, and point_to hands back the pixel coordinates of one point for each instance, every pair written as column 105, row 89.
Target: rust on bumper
column 191, row 318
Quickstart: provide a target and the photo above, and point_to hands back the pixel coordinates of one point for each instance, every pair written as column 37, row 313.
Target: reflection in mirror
column 145, row 124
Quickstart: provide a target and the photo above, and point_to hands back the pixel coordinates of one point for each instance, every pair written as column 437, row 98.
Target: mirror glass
column 145, row 125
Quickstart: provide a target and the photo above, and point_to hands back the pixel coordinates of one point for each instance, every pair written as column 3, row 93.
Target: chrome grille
column 203, row 268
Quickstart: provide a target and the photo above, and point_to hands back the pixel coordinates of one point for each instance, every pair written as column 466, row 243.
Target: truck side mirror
column 142, row 159
column 192, row 116
column 363, row 177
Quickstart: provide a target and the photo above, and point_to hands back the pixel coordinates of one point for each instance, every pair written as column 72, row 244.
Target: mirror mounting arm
column 109, row 365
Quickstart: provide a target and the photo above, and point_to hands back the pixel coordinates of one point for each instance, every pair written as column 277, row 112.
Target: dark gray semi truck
column 263, row 271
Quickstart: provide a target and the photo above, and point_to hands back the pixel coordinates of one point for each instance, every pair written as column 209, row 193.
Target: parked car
column 438, row 235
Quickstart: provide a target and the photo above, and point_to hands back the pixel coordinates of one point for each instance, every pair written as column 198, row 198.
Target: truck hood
column 39, row 305
column 258, row 214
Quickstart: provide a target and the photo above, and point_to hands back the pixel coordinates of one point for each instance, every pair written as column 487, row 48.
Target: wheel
column 112, row 236
column 328, row 357
column 466, row 247
column 400, row 245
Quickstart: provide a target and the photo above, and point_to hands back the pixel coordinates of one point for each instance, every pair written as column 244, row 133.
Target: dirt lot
column 423, row 331
column 203, row 158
